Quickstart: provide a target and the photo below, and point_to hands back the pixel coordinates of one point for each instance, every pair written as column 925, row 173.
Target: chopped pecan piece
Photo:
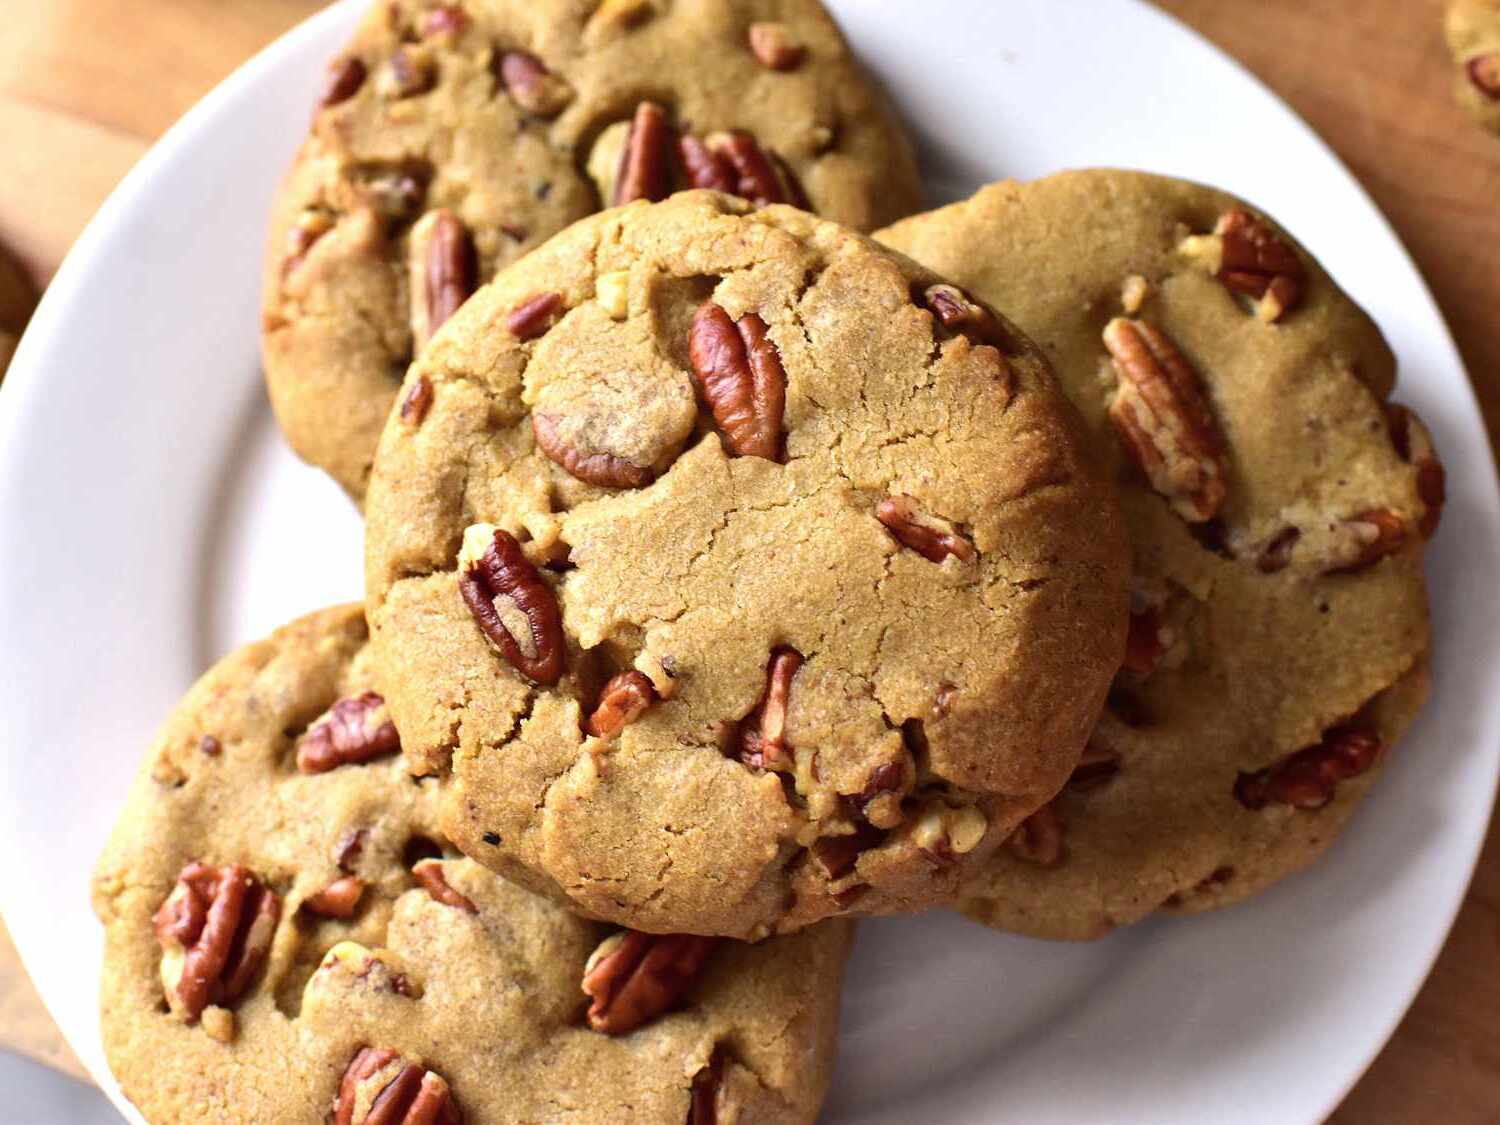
column 1164, row 420
column 513, row 607
column 337, row 900
column 763, row 743
column 758, row 176
column 412, row 70
column 532, row 86
column 350, row 846
column 1365, row 539
column 429, row 874
column 345, row 77
column 396, row 191
column 375, row 969
column 773, row 46
column 446, row 20
column 703, row 1104
column 944, row 832
column 958, row 312
column 1484, row 74
column 210, row 746
column 1146, row 641
column 215, row 930
column 1276, row 555
column 603, row 469
column 533, row 316
column 646, row 164
column 633, row 977
column 932, row 537
column 443, row 271
column 380, row 1087
column 837, row 855
column 879, row 801
column 1096, row 767
column 738, row 375
column 1249, row 257
column 1414, row 444
column 418, row 401
column 1039, row 838
column 353, row 730
column 312, row 223
column 1307, row 778
column 624, row 699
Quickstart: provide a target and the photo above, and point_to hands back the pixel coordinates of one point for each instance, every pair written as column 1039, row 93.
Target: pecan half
column 337, row 900
column 603, row 469
column 444, row 272
column 380, row 1087
column 533, row 316
column 704, row 167
column 633, row 977
column 1039, row 838
column 646, row 163
column 411, row 70
column 773, row 46
column 345, row 77
column 1414, row 444
column 1307, row 778
column 957, row 312
column 738, row 375
column 1364, row 540
column 758, row 176
column 215, row 930
column 532, row 86
column 837, row 855
column 1484, row 74
column 513, row 607
column 932, row 537
column 763, row 743
column 1163, row 418
column 944, row 832
column 624, row 699
column 418, row 401
column 1249, row 257
column 353, row 730
column 429, row 875
column 1096, row 767
column 703, row 1103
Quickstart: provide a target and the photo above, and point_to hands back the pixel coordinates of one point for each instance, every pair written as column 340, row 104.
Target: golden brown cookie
column 288, row 940
column 1278, row 507
column 735, row 573
column 1473, row 28
column 453, row 138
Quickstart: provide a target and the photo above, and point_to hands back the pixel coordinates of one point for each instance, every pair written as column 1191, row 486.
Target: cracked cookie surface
column 1279, row 624
column 502, row 121
column 1473, row 28
column 393, row 969
column 858, row 612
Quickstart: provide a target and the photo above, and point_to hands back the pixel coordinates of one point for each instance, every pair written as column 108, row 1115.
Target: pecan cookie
column 735, row 572
column 17, row 299
column 288, row 939
column 1474, row 38
column 454, row 137
column 1278, row 506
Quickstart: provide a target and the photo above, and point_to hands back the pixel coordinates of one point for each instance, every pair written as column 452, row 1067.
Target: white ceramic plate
column 152, row 519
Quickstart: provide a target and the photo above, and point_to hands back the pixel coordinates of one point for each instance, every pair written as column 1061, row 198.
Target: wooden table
column 87, row 85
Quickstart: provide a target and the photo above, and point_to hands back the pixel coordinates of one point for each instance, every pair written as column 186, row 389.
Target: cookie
column 1277, row 506
column 288, row 938
column 454, row 138
column 734, row 572
column 17, row 299
column 1473, row 28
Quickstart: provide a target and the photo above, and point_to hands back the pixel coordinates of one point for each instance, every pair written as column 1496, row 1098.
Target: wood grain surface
column 87, row 85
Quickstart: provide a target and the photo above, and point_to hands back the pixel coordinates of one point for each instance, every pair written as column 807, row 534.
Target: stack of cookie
column 730, row 576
